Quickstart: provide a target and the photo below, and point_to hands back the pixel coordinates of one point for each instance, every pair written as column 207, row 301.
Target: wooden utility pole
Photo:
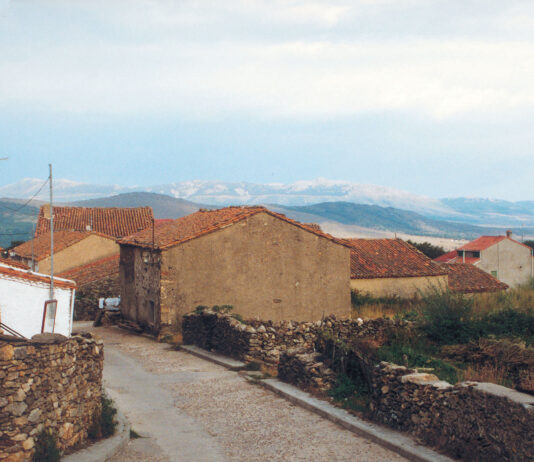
column 51, row 235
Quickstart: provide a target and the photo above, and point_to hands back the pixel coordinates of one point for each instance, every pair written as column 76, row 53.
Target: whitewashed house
column 23, row 296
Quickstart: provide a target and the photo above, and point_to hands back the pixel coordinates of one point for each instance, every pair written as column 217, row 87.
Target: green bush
column 223, row 309
column 46, row 449
column 104, row 424
column 447, row 316
column 508, row 323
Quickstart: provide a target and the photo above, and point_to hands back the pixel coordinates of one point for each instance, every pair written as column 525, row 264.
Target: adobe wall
column 140, row 286
column 85, row 251
column 400, row 287
column 264, row 267
column 86, row 302
column 511, row 261
column 57, row 387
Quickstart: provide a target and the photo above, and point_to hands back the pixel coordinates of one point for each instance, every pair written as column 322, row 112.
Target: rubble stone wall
column 86, row 303
column 471, row 421
column 265, row 341
column 53, row 386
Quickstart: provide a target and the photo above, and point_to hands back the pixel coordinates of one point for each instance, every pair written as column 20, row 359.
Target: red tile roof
column 482, row 243
column 94, row 271
column 447, row 257
column 15, row 264
column 41, row 244
column 116, row 222
column 468, row 279
column 204, row 222
column 389, row 258
column 17, row 273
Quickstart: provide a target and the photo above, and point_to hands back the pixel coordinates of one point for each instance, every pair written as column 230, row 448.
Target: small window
column 476, row 254
column 494, row 274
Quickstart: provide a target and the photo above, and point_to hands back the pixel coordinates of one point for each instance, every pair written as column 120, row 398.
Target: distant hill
column 16, row 226
column 163, row 206
column 390, row 219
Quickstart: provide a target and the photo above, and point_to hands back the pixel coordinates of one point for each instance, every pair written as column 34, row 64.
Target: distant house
column 262, row 263
column 392, row 267
column 95, row 280
column 71, row 249
column 22, row 302
column 468, row 279
column 504, row 258
column 112, row 221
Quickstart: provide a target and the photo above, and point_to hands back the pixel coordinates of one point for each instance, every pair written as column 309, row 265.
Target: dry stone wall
column 86, row 303
column 265, row 341
column 471, row 421
column 54, row 386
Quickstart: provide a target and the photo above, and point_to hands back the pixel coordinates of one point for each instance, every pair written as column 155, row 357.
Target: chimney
column 509, row 234
column 46, row 211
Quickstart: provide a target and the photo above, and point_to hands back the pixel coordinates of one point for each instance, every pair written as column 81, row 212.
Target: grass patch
column 46, row 449
column 104, row 424
column 351, row 393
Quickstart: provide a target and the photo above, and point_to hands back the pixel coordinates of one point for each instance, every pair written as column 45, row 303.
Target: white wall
column 22, row 305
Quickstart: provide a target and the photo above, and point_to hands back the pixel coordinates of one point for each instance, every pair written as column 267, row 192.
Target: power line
column 28, row 201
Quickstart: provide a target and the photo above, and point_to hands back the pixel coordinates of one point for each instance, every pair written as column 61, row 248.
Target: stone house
column 22, row 302
column 71, row 249
column 504, row 258
column 95, row 280
column 262, row 263
column 392, row 268
column 469, row 279
column 112, row 221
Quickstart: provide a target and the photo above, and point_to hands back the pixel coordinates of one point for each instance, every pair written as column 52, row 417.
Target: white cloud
column 182, row 58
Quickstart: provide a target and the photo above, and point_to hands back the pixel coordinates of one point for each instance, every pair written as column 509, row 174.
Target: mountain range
column 342, row 206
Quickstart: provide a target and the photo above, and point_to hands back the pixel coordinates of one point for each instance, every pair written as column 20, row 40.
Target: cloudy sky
column 433, row 97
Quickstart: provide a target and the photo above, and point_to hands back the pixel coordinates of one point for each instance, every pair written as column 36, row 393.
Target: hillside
column 16, row 225
column 163, row 206
column 390, row 219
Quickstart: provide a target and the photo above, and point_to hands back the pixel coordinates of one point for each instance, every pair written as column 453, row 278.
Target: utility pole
column 51, row 235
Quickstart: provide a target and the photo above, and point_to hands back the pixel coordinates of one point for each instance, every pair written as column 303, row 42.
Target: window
column 494, row 274
column 476, row 254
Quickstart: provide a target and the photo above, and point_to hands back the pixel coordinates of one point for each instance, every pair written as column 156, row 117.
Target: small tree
column 430, row 250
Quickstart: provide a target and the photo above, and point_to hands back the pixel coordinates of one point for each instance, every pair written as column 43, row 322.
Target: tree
column 529, row 243
column 430, row 250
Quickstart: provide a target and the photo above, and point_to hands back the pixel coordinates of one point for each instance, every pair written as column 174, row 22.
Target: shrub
column 352, row 393
column 103, row 425
column 447, row 316
column 46, row 449
column 508, row 322
column 223, row 309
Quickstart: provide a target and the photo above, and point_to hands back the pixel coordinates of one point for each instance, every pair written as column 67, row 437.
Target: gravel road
column 190, row 410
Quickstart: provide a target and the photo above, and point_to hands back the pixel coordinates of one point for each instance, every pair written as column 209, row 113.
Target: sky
column 432, row 97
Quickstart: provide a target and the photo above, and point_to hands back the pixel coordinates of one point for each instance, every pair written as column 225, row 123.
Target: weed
column 223, row 309
column 350, row 393
column 253, row 366
column 104, row 423
column 46, row 449
column 200, row 309
column 134, row 435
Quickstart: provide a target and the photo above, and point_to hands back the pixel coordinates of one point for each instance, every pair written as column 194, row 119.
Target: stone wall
column 86, row 303
column 472, row 421
column 54, row 386
column 265, row 341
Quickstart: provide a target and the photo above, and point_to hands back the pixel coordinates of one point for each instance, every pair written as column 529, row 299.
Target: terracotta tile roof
column 203, row 222
column 16, row 273
column 447, row 257
column 116, row 222
column 94, row 271
column 389, row 258
column 41, row 244
column 468, row 279
column 15, row 264
column 482, row 243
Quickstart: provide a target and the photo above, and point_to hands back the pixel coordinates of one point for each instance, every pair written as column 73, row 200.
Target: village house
column 504, row 258
column 112, row 221
column 468, row 279
column 392, row 268
column 95, row 280
column 263, row 264
column 23, row 297
column 71, row 249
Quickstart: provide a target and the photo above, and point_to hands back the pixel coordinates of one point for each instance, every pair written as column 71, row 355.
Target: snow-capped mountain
column 300, row 193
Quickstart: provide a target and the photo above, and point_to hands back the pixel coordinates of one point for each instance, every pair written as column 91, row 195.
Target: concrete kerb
column 104, row 450
column 216, row 358
column 385, row 437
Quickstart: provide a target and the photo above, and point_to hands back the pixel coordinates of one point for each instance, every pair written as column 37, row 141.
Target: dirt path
column 188, row 409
